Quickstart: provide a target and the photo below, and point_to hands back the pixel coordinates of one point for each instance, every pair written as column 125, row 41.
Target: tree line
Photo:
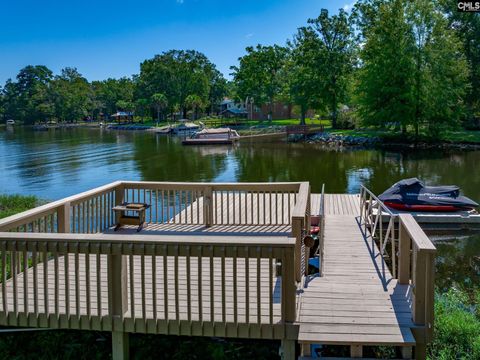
column 175, row 81
column 407, row 65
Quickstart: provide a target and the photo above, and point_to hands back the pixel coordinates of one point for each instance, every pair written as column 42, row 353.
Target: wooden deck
column 222, row 264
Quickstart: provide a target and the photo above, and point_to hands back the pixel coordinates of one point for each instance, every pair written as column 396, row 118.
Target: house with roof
column 231, row 108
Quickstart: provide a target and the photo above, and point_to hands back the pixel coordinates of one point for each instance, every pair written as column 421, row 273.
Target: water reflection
column 458, row 261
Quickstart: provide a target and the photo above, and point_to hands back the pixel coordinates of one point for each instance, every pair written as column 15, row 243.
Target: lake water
column 58, row 163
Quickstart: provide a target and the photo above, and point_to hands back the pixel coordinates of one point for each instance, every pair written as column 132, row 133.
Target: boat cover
column 414, row 192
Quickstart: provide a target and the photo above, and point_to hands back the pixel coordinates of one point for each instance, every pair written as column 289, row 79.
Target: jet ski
column 413, row 195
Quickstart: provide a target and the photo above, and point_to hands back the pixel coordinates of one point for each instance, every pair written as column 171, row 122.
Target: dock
column 224, row 260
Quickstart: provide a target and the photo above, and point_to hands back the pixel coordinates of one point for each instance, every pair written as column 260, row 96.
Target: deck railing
column 414, row 253
column 215, row 203
column 65, row 273
column 87, row 212
column 217, row 286
column 374, row 215
column 416, row 259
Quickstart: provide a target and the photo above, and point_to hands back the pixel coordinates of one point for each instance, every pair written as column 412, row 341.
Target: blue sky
column 106, row 38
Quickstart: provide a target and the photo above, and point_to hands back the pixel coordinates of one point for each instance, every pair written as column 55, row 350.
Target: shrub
column 457, row 327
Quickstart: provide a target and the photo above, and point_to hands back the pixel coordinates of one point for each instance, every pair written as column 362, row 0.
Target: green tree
column 258, row 75
column 441, row 70
column 72, row 95
column 110, row 91
column 178, row 74
column 467, row 29
column 141, row 106
column 159, row 102
column 334, row 61
column 386, row 82
column 302, row 80
column 28, row 99
column 194, row 103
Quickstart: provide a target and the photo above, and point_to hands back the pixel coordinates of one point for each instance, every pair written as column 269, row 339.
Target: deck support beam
column 287, row 350
column 120, row 345
column 356, row 351
column 306, row 350
column 406, row 352
column 420, row 351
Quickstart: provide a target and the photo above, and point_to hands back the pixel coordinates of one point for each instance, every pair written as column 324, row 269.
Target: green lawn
column 469, row 136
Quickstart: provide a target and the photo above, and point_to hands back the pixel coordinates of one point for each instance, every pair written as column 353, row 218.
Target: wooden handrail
column 166, row 270
column 417, row 268
column 254, row 186
column 27, row 216
column 189, row 240
column 418, row 236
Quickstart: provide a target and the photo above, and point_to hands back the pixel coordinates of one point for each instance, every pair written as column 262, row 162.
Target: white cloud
column 348, row 7
column 248, row 36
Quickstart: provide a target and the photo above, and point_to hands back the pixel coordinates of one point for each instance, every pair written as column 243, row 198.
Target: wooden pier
column 225, row 260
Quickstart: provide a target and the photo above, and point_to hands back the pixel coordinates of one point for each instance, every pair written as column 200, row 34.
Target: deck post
column 287, row 350
column 208, row 207
column 119, row 199
column 63, row 218
column 288, row 288
column 118, row 304
column 356, row 351
column 120, row 345
column 420, row 351
column 404, row 255
column 297, row 226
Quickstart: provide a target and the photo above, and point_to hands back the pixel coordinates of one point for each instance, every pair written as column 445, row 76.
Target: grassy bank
column 456, row 137
column 457, row 326
column 13, row 204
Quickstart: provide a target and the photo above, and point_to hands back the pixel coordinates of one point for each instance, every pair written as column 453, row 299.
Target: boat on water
column 167, row 129
column 220, row 136
column 413, row 195
column 10, row 122
column 185, row 128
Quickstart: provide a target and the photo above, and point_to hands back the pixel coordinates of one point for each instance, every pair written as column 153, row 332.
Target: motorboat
column 220, row 136
column 413, row 195
column 185, row 128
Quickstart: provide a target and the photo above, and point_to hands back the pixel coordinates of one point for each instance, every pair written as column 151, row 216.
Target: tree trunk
column 158, row 115
column 334, row 105
column 302, row 116
column 271, row 110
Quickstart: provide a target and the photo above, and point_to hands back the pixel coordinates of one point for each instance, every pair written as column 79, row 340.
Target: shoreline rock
column 337, row 140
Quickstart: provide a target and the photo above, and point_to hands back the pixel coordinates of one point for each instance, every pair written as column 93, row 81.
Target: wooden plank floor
column 356, row 301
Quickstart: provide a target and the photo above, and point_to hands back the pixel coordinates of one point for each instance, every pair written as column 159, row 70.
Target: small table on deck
column 137, row 218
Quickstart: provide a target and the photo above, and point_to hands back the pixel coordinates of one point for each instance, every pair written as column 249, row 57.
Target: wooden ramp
column 356, row 302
